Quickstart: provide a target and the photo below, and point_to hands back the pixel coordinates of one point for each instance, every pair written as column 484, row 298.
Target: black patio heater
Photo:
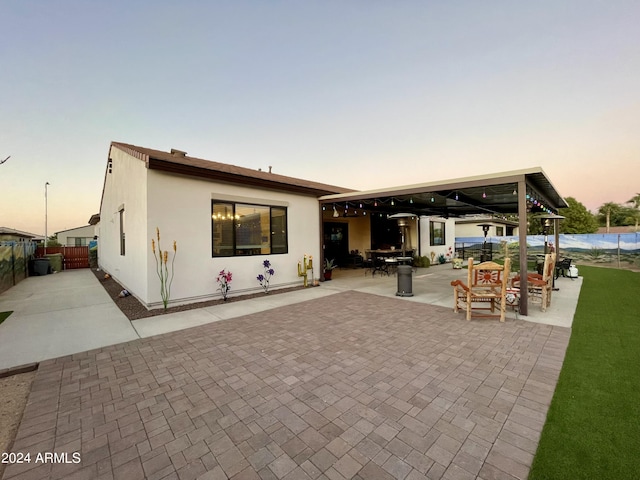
column 484, row 256
column 405, row 287
column 547, row 222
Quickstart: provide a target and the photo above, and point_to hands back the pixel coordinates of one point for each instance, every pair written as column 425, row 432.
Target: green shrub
column 422, row 262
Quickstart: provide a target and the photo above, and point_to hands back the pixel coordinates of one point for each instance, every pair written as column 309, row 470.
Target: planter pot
column 327, row 275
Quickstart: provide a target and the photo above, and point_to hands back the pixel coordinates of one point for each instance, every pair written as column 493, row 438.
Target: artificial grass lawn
column 593, row 425
column 4, row 315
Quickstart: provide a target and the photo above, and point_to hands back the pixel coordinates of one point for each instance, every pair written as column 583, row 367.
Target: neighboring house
column 222, row 217
column 470, row 227
column 11, row 235
column 437, row 235
column 76, row 237
column 624, row 229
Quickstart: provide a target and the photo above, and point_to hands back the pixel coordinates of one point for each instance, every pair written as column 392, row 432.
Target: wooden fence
column 72, row 257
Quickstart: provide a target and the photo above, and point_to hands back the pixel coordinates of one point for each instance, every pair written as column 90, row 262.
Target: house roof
column 17, row 233
column 491, row 194
column 72, row 229
column 617, row 229
column 177, row 162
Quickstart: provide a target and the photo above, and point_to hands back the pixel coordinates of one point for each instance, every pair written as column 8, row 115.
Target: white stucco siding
column 473, row 230
column 67, row 237
column 425, row 239
column 180, row 207
column 125, row 187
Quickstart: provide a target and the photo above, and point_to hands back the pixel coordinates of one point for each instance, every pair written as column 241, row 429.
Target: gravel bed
column 133, row 309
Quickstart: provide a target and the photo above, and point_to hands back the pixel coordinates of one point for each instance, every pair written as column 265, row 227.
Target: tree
column 635, row 201
column 612, row 214
column 577, row 218
column 52, row 241
column 606, row 211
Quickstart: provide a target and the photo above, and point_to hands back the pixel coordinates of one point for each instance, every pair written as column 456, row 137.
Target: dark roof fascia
column 541, row 184
column 227, row 177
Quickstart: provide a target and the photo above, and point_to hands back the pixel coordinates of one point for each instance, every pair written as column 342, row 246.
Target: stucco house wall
column 180, row 207
column 152, row 190
column 465, row 228
column 125, row 188
column 11, row 235
column 425, row 239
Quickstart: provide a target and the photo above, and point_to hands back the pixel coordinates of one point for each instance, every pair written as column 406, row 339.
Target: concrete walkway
column 56, row 315
column 356, row 386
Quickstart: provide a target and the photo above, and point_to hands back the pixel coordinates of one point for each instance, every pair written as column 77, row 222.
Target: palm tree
column 606, row 209
column 635, row 201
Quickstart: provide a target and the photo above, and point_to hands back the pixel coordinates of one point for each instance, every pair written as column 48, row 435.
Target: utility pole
column 46, row 211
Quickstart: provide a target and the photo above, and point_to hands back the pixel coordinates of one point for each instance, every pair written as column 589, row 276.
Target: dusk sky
column 360, row 94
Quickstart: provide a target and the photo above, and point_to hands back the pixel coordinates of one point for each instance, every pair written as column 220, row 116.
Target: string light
column 456, row 196
column 392, row 202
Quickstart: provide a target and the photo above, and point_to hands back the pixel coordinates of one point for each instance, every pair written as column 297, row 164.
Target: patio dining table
column 384, row 259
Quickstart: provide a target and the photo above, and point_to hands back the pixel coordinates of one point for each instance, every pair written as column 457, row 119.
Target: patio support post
column 522, row 237
column 320, row 265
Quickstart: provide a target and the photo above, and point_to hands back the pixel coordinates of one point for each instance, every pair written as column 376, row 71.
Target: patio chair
column 540, row 286
column 486, row 289
column 378, row 264
column 562, row 267
column 367, row 262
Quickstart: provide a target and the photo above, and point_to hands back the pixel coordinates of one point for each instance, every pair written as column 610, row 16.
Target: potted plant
column 328, row 268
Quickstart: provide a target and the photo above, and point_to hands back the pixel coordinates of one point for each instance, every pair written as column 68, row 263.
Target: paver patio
column 352, row 385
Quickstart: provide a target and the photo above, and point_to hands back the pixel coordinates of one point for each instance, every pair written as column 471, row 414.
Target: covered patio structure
column 522, row 192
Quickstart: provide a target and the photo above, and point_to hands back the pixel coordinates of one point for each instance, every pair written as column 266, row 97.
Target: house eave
column 227, row 177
